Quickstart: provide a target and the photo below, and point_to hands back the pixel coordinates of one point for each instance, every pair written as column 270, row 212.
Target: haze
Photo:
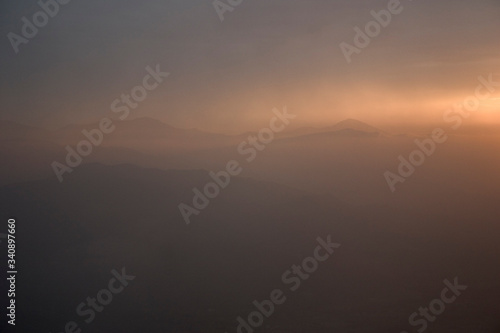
column 246, row 172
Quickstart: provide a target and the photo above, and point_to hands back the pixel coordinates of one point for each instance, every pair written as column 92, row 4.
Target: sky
column 227, row 76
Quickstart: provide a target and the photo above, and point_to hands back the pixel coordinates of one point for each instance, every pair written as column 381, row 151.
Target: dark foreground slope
column 201, row 277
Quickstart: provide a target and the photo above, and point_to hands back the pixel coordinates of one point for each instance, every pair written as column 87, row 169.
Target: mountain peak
column 353, row 124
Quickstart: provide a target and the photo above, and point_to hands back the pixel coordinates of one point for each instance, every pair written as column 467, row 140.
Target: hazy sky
column 227, row 76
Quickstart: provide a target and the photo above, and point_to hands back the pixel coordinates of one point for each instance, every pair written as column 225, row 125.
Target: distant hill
column 10, row 131
column 147, row 135
column 352, row 124
column 344, row 128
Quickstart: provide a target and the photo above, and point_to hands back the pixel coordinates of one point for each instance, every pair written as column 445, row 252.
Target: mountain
column 344, row 128
column 150, row 135
column 28, row 152
column 352, row 124
column 10, row 131
column 146, row 135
